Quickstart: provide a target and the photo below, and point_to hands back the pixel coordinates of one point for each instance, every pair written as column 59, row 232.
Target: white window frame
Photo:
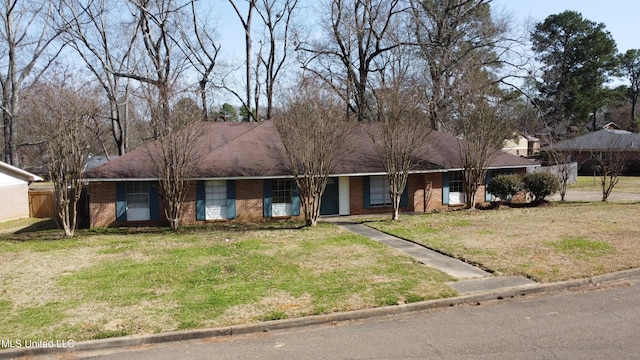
column 281, row 191
column 379, row 190
column 138, row 201
column 215, row 200
column 456, row 182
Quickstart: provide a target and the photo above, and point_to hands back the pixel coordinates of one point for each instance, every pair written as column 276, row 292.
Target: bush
column 541, row 184
column 505, row 186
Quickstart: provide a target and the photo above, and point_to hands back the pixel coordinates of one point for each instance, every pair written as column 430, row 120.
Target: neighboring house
column 14, row 192
column 587, row 150
column 522, row 145
column 241, row 175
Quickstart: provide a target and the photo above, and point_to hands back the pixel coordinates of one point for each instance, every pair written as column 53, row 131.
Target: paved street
column 594, row 324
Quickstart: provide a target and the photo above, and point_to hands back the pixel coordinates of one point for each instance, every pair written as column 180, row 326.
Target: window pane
column 216, row 199
column 138, row 201
column 281, row 191
column 379, row 191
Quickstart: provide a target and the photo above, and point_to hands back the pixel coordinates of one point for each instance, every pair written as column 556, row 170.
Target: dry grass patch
column 106, row 283
column 551, row 243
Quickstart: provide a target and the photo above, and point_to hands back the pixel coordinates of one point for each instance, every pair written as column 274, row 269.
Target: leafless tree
column 400, row 134
column 27, row 49
column 96, row 32
column 201, row 51
column 162, row 64
column 65, row 113
column 609, row 163
column 483, row 129
column 562, row 165
column 315, row 136
column 174, row 155
column 276, row 15
column 452, row 36
column 246, row 25
column 358, row 32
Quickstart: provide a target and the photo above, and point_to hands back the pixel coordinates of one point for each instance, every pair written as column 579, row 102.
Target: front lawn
column 550, row 243
column 109, row 283
column 626, row 184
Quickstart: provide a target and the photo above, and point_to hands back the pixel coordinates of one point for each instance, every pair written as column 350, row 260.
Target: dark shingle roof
column 254, row 149
column 601, row 140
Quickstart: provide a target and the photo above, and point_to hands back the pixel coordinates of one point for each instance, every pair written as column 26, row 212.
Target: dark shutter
column 487, row 194
column 121, row 202
column 295, row 199
column 231, row 199
column 154, row 208
column 445, row 189
column 200, row 201
column 404, row 197
column 366, row 192
column 267, row 199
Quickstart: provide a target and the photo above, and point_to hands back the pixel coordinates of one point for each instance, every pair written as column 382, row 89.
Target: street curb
column 504, row 293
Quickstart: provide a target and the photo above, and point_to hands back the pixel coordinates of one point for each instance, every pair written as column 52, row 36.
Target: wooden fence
column 41, row 204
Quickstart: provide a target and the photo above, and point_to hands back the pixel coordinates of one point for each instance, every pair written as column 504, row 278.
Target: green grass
column 582, row 247
column 628, row 184
column 551, row 243
column 134, row 281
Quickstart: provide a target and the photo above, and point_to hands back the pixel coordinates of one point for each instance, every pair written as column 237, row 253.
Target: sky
column 621, row 17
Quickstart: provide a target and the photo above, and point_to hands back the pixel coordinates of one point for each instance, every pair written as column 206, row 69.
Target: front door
column 330, row 203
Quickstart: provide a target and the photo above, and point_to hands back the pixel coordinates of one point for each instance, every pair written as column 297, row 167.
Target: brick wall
column 102, row 207
column 356, row 203
column 249, row 199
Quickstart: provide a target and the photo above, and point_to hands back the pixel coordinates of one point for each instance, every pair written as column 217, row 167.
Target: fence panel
column 41, row 204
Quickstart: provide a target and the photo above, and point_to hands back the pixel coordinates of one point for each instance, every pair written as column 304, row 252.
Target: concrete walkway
column 473, row 279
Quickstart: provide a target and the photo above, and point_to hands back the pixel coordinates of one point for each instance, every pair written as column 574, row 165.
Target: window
column 455, row 182
column 456, row 188
column 379, row 191
column 215, row 200
column 281, row 191
column 138, row 201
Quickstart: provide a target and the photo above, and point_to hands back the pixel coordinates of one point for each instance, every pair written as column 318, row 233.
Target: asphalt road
column 585, row 324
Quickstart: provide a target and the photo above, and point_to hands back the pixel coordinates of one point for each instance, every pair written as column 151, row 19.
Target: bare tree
column 97, row 39
column 65, row 113
column 27, row 50
column 174, row 156
column 276, row 16
column 315, row 136
column 562, row 166
column 358, row 33
column 201, row 51
column 400, row 134
column 162, row 64
column 610, row 162
column 246, row 25
column 483, row 129
column 452, row 36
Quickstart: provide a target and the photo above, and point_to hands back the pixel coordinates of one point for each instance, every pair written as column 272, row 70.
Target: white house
column 14, row 192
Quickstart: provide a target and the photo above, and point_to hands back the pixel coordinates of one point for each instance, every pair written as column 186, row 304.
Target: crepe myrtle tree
column 315, row 135
column 66, row 114
column 174, row 155
column 482, row 127
column 609, row 164
column 399, row 134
